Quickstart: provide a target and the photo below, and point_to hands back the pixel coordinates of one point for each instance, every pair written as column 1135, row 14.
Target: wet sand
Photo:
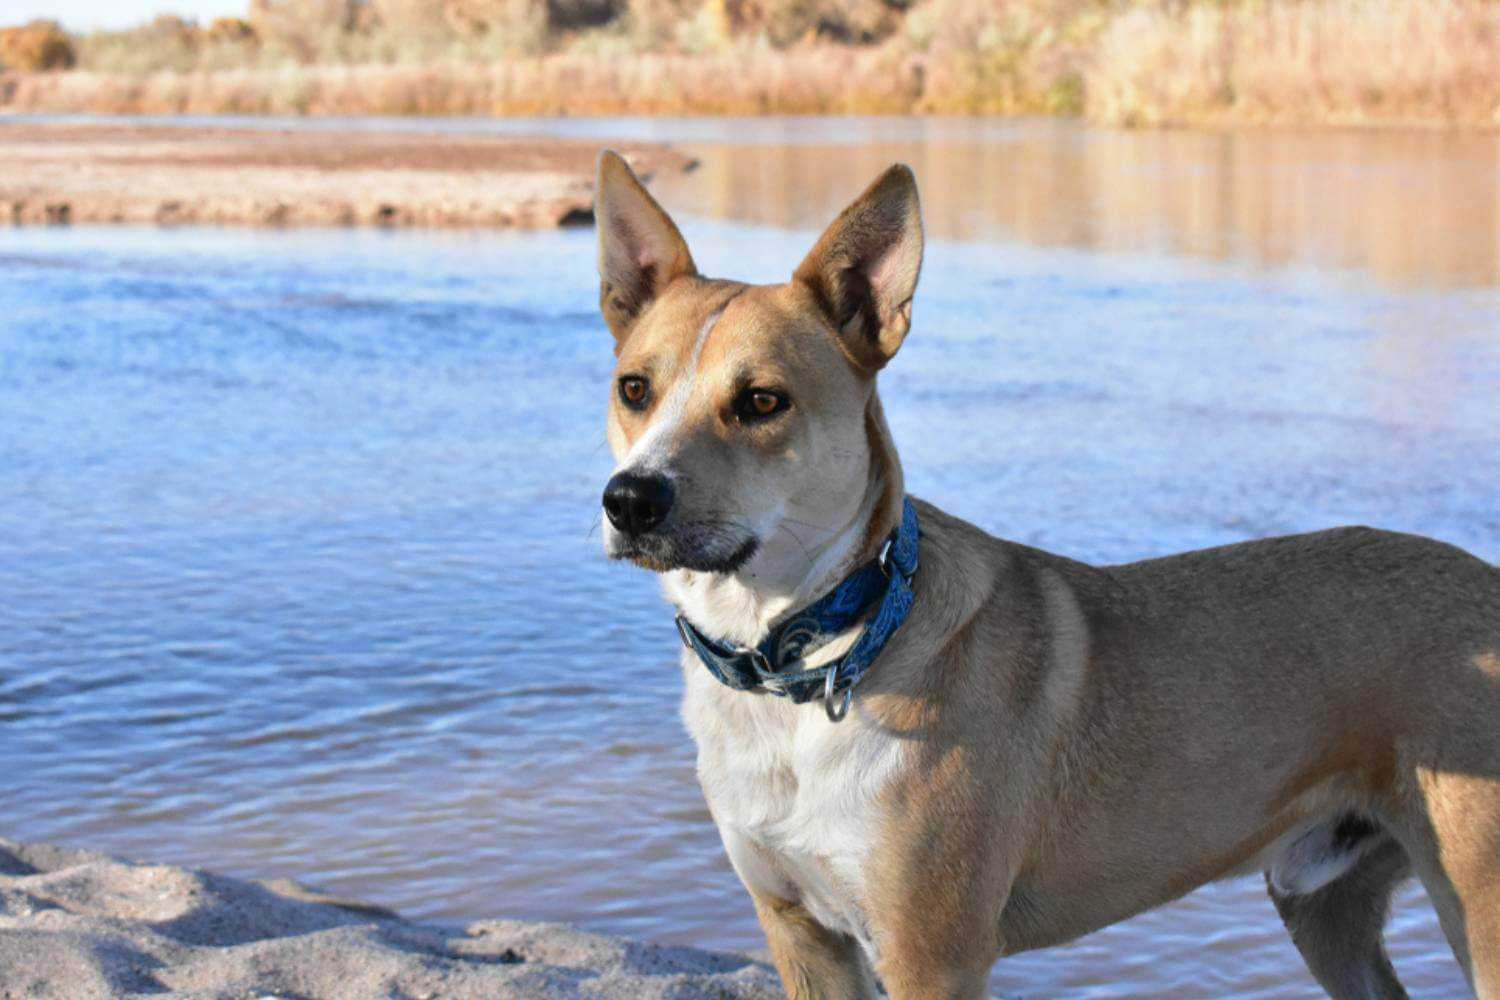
column 57, row 174
column 79, row 925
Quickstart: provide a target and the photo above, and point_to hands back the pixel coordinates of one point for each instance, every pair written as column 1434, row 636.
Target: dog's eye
column 758, row 404
column 633, row 392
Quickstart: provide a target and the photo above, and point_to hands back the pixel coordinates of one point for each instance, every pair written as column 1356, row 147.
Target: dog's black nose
column 637, row 503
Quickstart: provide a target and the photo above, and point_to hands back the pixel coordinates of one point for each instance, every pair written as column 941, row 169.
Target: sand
column 78, row 925
column 172, row 175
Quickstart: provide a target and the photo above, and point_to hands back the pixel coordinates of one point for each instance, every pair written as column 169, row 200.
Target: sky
column 82, row 15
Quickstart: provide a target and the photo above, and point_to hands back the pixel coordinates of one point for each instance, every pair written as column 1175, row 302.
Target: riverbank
column 77, row 925
column 1301, row 63
column 126, row 173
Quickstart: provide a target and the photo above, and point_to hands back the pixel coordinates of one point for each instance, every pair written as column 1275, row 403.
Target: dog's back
column 1206, row 671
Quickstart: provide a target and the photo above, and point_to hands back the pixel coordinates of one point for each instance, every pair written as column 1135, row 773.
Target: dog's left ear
column 864, row 268
column 641, row 250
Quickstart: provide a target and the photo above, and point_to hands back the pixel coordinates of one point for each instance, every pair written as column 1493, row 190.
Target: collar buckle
column 726, row 662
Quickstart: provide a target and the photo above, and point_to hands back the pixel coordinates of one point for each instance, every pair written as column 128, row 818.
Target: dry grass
column 836, row 82
column 1144, row 62
column 1342, row 62
column 505, row 57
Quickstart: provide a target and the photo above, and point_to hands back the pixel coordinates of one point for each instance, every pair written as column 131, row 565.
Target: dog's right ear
column 640, row 250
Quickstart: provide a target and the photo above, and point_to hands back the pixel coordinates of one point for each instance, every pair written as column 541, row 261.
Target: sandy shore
column 126, row 173
column 80, row 925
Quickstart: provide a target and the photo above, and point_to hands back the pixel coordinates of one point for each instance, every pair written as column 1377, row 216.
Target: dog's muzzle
column 651, row 529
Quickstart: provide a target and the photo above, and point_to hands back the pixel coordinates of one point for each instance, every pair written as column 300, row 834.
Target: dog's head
column 740, row 413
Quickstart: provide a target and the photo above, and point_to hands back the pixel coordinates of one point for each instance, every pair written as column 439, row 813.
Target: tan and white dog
column 1044, row 747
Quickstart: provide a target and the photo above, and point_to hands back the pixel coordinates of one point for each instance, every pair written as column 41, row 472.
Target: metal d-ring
column 835, row 714
column 884, row 559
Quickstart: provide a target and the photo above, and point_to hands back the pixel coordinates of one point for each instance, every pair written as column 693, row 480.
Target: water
column 299, row 572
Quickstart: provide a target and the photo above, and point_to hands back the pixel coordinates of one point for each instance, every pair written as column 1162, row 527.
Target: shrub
column 786, row 22
column 36, row 47
column 232, row 31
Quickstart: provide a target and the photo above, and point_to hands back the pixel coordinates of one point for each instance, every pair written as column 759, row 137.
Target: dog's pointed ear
column 640, row 249
column 864, row 268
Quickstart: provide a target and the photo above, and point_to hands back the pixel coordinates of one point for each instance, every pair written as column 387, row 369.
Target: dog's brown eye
column 633, row 391
column 758, row 404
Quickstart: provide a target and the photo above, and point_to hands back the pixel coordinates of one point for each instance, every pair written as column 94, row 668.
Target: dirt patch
column 169, row 175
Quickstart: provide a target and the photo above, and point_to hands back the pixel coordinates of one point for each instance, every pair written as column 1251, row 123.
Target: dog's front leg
column 938, row 940
column 814, row 962
column 926, row 981
column 936, row 914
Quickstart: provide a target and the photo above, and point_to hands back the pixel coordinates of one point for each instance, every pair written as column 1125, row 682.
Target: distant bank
column 75, row 925
column 1430, row 63
column 57, row 174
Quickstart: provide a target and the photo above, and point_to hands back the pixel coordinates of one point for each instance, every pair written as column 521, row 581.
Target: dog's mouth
column 705, row 548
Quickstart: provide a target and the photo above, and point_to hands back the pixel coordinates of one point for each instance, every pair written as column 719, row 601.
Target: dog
column 979, row 748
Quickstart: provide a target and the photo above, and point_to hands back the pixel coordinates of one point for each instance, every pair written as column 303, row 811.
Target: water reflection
column 1412, row 208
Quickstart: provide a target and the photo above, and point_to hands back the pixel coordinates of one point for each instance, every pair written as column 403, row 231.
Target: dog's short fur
column 1045, row 747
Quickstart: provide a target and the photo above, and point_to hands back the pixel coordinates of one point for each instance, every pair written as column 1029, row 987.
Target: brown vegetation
column 37, row 47
column 1297, row 61
column 1123, row 61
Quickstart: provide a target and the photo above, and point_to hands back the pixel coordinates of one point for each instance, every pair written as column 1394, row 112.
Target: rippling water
column 299, row 572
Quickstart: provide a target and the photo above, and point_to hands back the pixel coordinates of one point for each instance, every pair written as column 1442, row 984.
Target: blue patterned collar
column 885, row 580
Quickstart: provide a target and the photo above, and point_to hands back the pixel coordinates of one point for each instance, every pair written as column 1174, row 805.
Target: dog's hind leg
column 1456, row 852
column 1337, row 924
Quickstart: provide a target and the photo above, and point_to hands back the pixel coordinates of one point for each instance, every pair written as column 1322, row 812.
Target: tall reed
column 1340, row 62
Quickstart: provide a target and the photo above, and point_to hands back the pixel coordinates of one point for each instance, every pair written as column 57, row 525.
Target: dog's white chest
column 795, row 797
